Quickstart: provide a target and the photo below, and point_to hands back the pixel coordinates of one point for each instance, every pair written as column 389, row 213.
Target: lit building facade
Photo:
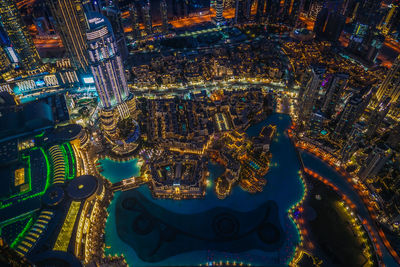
column 308, row 98
column 18, row 35
column 391, row 85
column 71, row 25
column 375, row 161
column 105, row 62
column 377, row 116
column 219, row 10
column 334, row 90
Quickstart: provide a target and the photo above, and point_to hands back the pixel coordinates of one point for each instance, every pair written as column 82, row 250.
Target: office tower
column 372, row 45
column 329, row 25
column 377, row 116
column 391, row 18
column 71, row 25
column 310, row 95
column 147, row 18
column 105, row 62
column 352, row 112
column 391, row 84
column 367, row 12
column 291, row 11
column 240, row 11
column 113, row 14
column 272, row 10
column 352, row 143
column 18, row 35
column 134, row 21
column 164, row 16
column 335, row 87
column 375, row 161
column 219, row 11
column 261, row 12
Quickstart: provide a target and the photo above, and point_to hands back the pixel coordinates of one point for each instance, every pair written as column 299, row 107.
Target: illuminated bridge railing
column 58, row 161
column 34, row 234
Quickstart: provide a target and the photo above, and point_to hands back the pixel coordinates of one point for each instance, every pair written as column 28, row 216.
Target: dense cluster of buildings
column 188, row 132
column 53, row 200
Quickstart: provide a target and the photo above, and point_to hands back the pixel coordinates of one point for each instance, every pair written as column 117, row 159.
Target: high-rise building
column 352, row 112
column 105, row 62
column 291, row 11
column 71, row 25
column 164, row 16
column 219, row 10
column 113, row 14
column 133, row 14
column 367, row 12
column 272, row 10
column 260, row 13
column 375, row 161
column 329, row 25
column 391, row 18
column 240, row 11
column 335, row 87
column 391, row 84
column 309, row 98
column 377, row 116
column 373, row 44
column 148, row 27
column 18, row 35
column 352, row 143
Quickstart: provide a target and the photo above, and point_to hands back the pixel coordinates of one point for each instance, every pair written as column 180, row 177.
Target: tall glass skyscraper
column 71, row 25
column 19, row 37
column 105, row 62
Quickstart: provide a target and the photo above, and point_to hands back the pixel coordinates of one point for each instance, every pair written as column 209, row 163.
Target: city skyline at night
column 200, row 133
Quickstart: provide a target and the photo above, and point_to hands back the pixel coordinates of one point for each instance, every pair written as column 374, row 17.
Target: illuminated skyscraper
column 219, row 11
column 71, row 25
column 17, row 32
column 105, row 62
column 113, row 14
column 377, row 116
column 352, row 143
column 391, row 18
column 375, row 161
column 352, row 112
column 308, row 98
column 147, row 18
column 134, row 20
column 391, row 85
column 164, row 15
column 335, row 88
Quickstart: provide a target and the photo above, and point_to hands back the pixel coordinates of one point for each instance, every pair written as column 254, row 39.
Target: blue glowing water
column 283, row 186
column 116, row 171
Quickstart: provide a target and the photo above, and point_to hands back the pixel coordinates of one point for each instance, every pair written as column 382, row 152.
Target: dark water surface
column 249, row 228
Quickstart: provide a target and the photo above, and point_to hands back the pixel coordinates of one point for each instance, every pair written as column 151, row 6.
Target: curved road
column 317, row 165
